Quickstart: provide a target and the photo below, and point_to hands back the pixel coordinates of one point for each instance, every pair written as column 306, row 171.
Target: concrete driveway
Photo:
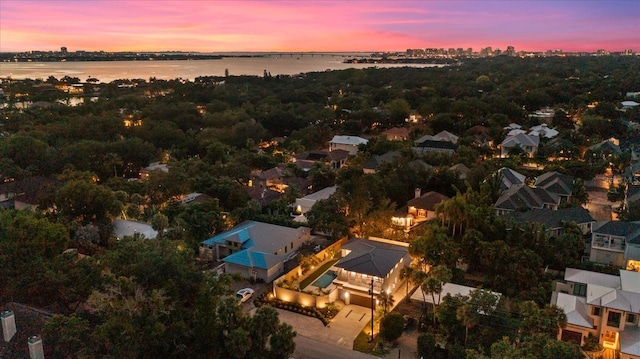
column 342, row 330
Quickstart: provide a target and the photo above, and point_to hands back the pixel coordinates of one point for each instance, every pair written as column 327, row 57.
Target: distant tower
column 63, row 49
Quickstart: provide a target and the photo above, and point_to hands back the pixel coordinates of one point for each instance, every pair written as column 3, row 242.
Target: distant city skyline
column 322, row 26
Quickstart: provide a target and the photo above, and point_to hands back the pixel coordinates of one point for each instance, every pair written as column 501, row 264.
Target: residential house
column 527, row 143
column 632, row 174
column 461, row 170
column 304, row 204
column 602, row 305
column 616, row 243
column 263, row 195
column 428, row 146
column 367, row 264
column 413, row 118
column 20, row 336
column 558, row 183
column 374, row 162
column 196, row 198
column 633, row 195
column 347, row 143
column 450, row 289
column 124, row 228
column 442, row 136
column 396, row 134
column 606, row 148
column 27, row 193
column 272, row 179
column 419, row 209
column 543, row 131
column 553, row 221
column 522, row 198
column 154, row 166
column 480, row 136
column 255, row 249
column 509, row 178
column 333, row 159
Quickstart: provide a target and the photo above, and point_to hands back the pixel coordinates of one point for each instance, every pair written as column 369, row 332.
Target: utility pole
column 372, row 306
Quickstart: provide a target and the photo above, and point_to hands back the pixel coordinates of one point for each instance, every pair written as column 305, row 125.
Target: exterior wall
column 309, row 300
column 246, row 272
column 352, row 149
column 606, row 257
column 273, row 272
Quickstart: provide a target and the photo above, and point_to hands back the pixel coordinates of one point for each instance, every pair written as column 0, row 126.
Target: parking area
column 342, row 330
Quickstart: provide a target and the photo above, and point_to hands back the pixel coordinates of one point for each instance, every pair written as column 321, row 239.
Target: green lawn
column 310, row 279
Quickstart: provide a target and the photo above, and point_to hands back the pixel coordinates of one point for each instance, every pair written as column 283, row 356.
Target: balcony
column 611, row 245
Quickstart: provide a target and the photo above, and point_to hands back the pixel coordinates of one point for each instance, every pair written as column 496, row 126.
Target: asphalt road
column 307, row 348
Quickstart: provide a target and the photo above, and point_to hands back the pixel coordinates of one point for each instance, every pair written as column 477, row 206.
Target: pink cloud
column 309, row 25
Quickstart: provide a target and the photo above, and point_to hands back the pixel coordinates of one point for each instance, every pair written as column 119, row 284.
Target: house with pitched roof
column 442, row 142
column 255, row 249
column 333, row 159
column 302, row 205
column 367, row 263
column 616, row 243
column 419, row 209
column 347, row 143
column 509, row 178
column 522, row 198
column 553, row 221
column 558, row 183
column 602, row 305
column 396, row 134
column 528, row 144
column 374, row 162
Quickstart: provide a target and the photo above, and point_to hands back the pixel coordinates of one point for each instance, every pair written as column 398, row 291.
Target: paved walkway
column 308, row 348
column 342, row 330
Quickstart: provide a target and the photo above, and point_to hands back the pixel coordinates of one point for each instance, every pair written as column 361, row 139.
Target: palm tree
column 386, row 300
column 407, row 273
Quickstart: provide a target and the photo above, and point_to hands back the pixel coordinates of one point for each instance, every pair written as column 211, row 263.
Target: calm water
column 107, row 71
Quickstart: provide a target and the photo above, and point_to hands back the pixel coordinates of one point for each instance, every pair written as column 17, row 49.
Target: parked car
column 244, row 294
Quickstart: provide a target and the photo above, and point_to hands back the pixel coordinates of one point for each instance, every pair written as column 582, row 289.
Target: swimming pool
column 325, row 279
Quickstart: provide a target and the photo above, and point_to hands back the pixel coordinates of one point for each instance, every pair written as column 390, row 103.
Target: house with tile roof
column 419, row 209
column 522, row 198
column 366, row 261
column 255, row 249
column 616, row 243
column 602, row 305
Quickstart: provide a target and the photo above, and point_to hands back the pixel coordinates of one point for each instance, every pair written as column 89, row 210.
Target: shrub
column 426, row 345
column 391, row 326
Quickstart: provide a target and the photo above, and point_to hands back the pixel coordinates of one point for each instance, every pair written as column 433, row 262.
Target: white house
column 603, row 305
column 347, row 143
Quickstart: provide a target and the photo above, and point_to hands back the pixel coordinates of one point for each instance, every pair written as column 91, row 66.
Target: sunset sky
column 306, row 25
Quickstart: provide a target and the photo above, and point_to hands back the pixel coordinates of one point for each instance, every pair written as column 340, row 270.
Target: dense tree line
column 209, row 132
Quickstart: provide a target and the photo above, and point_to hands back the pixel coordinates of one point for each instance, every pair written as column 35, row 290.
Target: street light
column 371, row 293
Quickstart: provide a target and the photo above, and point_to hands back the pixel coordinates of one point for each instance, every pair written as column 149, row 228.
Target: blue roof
column 249, row 258
column 238, row 234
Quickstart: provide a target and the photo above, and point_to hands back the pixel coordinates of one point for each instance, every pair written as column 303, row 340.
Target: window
column 291, row 246
column 580, row 289
column 596, row 311
column 614, row 319
column 631, row 318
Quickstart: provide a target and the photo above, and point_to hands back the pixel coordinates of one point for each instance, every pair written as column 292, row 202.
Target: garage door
column 361, row 301
column 571, row 336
